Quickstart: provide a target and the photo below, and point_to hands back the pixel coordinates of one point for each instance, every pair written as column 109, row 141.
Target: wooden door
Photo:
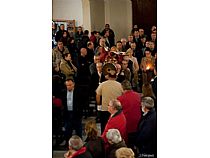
column 144, row 13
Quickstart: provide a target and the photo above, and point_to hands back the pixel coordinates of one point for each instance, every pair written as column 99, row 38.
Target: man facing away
column 107, row 90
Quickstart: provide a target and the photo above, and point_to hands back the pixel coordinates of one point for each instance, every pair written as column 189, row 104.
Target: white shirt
column 70, row 100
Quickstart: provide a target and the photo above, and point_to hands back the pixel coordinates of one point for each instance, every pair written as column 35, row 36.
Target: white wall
column 68, row 10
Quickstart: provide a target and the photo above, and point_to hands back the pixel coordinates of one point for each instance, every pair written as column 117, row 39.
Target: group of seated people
column 125, row 95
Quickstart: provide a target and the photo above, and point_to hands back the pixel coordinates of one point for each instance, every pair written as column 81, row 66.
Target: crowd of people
column 121, row 77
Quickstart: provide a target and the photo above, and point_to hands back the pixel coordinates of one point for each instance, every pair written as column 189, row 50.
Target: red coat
column 118, row 121
column 131, row 104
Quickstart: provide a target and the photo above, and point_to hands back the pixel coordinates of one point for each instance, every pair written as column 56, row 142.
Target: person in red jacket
column 131, row 106
column 76, row 149
column 117, row 120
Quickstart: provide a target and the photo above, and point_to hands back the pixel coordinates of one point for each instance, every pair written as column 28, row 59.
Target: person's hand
column 66, row 154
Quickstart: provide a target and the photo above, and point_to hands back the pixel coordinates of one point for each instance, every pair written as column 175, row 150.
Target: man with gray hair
column 117, row 120
column 146, row 139
column 76, row 148
column 115, row 140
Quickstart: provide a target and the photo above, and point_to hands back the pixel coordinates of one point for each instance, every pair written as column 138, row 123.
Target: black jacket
column 77, row 107
column 113, row 147
column 147, row 134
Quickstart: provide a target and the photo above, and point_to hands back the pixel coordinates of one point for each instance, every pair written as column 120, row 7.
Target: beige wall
column 97, row 15
column 118, row 13
column 86, row 15
column 68, row 10
column 94, row 14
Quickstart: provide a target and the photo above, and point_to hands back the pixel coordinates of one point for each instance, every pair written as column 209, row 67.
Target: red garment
column 92, row 38
column 131, row 105
column 103, row 55
column 118, row 121
column 57, row 102
column 80, row 151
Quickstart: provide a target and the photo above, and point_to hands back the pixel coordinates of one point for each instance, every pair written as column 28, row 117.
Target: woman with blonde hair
column 94, row 143
column 124, row 153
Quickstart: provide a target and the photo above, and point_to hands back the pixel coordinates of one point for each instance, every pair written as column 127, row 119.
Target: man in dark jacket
column 83, row 80
column 59, row 33
column 146, row 139
column 72, row 110
column 111, row 34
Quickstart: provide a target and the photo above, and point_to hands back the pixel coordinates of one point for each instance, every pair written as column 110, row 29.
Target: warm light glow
column 148, row 67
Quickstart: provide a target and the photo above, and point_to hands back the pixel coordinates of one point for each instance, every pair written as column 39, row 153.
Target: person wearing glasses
column 117, row 120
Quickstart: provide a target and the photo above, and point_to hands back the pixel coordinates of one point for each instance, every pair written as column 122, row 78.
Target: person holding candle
column 148, row 66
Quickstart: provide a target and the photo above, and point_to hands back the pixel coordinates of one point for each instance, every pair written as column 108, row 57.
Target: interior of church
column 104, row 78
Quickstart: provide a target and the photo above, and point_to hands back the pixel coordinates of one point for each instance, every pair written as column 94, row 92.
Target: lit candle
column 148, row 67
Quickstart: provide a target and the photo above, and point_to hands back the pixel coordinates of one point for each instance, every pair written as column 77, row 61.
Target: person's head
column 83, row 52
column 62, row 27
column 148, row 52
column 147, row 90
column 135, row 26
column 106, row 33
column 107, row 26
column 124, row 65
column 133, row 45
column 124, row 152
column 67, row 56
column 99, row 66
column 129, row 52
column 97, row 34
column 91, row 130
column 123, row 40
column 90, row 45
column 75, row 143
column 126, row 57
column 113, row 136
column 60, row 45
column 114, row 106
column 153, row 29
column 130, row 38
column 141, row 31
column 126, row 85
column 119, row 45
column 118, row 67
column 151, row 45
column 147, row 103
column 69, row 84
column 54, row 26
column 153, row 36
column 96, row 58
column 65, row 34
column 147, row 44
column 86, row 32
column 143, row 39
column 79, row 29
column 102, row 42
column 136, row 34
